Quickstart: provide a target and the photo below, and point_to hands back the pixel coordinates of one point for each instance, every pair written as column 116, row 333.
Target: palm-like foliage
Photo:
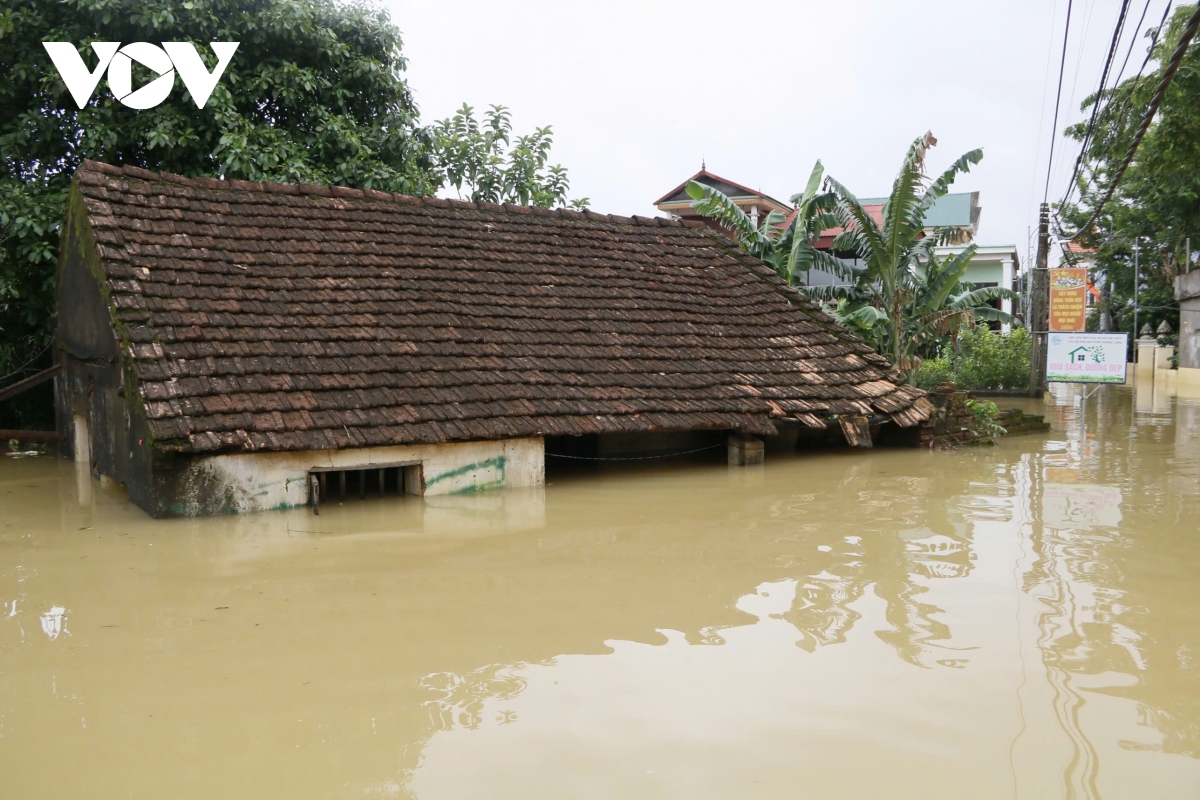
column 935, row 303
column 784, row 242
column 904, row 298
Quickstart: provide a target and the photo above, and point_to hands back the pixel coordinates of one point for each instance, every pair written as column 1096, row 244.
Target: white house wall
column 263, row 481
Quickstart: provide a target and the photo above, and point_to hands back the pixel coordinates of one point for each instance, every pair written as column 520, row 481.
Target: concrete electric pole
column 1137, row 279
column 1039, row 300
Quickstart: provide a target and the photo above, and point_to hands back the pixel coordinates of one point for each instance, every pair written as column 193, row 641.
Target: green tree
column 315, row 93
column 905, row 299
column 784, row 242
column 1157, row 203
column 470, row 154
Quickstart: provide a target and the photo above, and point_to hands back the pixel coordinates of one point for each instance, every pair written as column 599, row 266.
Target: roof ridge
column 273, row 187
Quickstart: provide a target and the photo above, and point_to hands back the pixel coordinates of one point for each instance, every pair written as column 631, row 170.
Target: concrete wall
column 1187, row 382
column 982, row 270
column 1187, row 292
column 95, row 386
column 244, row 482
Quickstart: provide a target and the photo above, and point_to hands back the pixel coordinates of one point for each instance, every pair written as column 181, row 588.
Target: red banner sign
column 1068, row 299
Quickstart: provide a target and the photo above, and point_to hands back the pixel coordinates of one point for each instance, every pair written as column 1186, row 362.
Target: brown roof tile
column 268, row 316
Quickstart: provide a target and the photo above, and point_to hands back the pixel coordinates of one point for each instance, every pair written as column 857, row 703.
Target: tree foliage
column 905, row 298
column 1157, row 203
column 784, row 242
column 470, row 154
column 934, row 303
column 981, row 359
column 315, row 93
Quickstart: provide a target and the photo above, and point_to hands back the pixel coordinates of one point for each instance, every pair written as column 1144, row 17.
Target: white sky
column 639, row 92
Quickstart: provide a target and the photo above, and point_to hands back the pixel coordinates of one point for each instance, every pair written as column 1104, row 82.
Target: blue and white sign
column 1086, row 357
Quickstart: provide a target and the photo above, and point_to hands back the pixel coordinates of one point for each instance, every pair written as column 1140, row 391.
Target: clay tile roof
column 260, row 316
column 704, row 176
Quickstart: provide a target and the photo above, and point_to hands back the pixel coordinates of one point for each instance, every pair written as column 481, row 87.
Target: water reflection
column 1015, row 621
column 1115, row 573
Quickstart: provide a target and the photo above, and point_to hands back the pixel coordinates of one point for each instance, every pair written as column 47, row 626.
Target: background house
column 993, row 265
column 678, row 203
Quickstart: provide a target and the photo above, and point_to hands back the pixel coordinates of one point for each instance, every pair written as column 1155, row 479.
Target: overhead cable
column 1118, row 28
column 1145, row 61
column 1133, row 40
column 1168, row 75
column 1057, row 101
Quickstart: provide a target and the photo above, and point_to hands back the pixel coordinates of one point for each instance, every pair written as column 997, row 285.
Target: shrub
column 934, row 371
column 987, row 360
column 984, row 414
column 981, row 360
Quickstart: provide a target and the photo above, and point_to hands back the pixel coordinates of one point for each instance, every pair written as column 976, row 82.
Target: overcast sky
column 639, row 92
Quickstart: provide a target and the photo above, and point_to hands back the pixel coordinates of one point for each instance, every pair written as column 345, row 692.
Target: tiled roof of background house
column 273, row 317
column 723, row 185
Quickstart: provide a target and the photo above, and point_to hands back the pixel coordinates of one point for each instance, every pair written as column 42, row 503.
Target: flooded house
column 228, row 346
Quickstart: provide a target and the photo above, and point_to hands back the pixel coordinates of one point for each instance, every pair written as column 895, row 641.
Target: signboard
column 1086, row 357
column 1068, row 299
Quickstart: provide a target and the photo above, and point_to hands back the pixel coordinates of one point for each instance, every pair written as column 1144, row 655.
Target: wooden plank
column 30, row 382
column 30, row 435
column 857, row 431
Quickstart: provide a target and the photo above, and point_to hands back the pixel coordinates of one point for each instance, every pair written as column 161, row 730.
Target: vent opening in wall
column 339, row 484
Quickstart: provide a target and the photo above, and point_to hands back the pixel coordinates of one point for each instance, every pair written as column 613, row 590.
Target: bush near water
column 981, row 359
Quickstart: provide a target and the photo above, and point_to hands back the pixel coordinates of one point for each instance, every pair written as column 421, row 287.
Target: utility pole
column 1106, row 321
column 1137, row 280
column 1025, row 283
column 1039, row 299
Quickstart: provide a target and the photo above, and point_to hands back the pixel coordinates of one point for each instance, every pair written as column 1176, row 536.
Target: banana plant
column 783, row 241
column 936, row 303
column 904, row 297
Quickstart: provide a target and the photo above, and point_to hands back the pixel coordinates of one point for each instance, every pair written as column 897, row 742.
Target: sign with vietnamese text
column 1086, row 357
column 1068, row 299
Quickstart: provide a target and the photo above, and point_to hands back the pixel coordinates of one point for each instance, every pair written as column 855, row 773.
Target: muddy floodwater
column 1011, row 622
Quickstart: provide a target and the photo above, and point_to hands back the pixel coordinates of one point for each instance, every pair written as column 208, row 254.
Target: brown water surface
column 1009, row 622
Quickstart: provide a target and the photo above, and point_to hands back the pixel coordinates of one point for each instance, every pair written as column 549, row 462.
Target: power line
column 1057, row 100
column 1086, row 14
column 1037, row 153
column 1168, row 75
column 635, row 458
column 1042, row 109
column 1119, row 118
column 1118, row 28
column 1132, row 41
column 1138, row 79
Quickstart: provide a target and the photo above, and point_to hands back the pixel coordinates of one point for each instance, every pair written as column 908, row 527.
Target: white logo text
column 172, row 57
